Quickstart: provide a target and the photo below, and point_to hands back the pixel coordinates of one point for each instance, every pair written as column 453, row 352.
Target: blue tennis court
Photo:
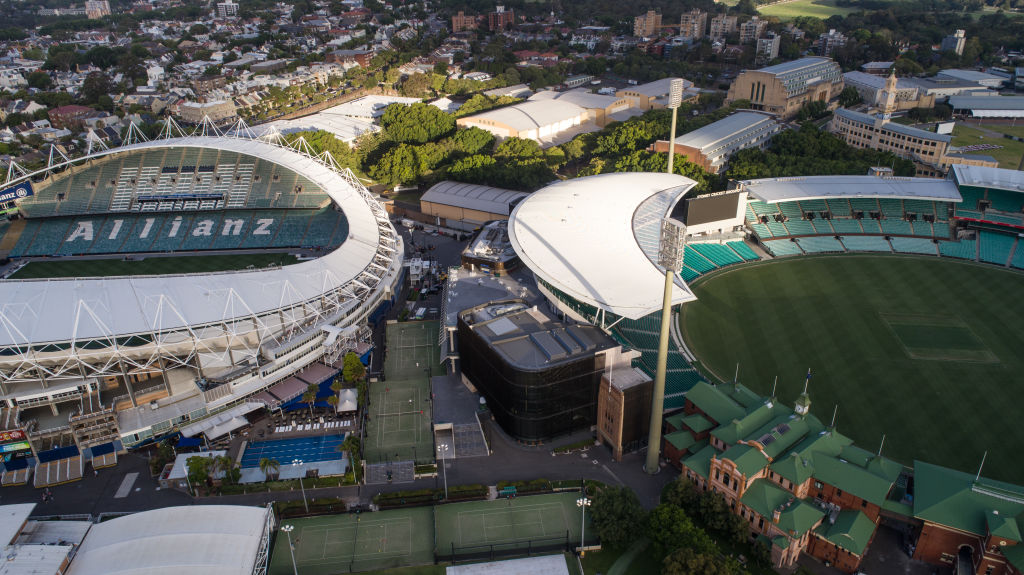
column 308, row 449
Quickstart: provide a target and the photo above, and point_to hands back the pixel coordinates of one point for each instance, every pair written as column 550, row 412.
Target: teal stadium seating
column 896, row 227
column 823, row 227
column 1018, row 257
column 1005, row 201
column 762, row 209
column 840, row 207
column 761, row 230
column 688, row 274
column 693, row 259
column 967, row 213
column 782, row 247
column 719, row 254
column 870, row 226
column 800, row 228
column 891, row 208
column 995, row 247
column 791, row 210
column 164, row 242
column 865, row 204
column 919, row 207
column 813, row 205
column 847, row 226
column 820, row 244
column 964, row 249
column 922, row 228
column 744, row 251
column 866, row 244
column 267, row 240
column 914, row 246
column 778, row 230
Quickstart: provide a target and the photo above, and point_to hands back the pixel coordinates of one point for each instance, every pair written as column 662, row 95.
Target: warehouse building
column 541, row 121
column 469, row 203
column 988, row 106
column 601, row 109
column 654, row 95
column 711, row 146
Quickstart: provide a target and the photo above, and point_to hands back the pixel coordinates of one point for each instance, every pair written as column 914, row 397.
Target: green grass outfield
column 1009, row 155
column 509, row 524
column 823, row 9
column 924, row 350
column 349, row 543
column 148, row 266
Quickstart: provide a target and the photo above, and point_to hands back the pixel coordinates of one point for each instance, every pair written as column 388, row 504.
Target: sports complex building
column 592, row 245
column 176, row 285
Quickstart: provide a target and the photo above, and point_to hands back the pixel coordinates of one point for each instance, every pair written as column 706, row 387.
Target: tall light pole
column 670, row 256
column 288, row 531
column 675, row 99
column 443, row 450
column 583, row 503
column 296, row 463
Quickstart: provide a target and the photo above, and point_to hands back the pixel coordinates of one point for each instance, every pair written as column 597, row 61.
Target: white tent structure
column 198, row 540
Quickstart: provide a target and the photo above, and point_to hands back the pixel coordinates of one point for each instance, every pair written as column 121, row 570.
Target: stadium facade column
column 670, row 256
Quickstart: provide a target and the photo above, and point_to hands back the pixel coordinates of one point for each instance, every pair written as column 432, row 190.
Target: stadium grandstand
column 579, row 250
column 975, row 214
column 145, row 356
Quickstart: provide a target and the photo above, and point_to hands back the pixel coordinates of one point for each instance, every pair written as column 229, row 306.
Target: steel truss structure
column 61, row 330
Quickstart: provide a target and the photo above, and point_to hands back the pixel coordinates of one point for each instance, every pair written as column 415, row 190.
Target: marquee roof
column 594, row 238
column 774, row 190
column 196, row 539
column 77, row 309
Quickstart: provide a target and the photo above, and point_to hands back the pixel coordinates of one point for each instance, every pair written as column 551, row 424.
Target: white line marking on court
column 126, row 485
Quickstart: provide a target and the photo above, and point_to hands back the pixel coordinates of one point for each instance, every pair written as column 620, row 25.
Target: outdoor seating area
column 58, row 466
column 313, row 426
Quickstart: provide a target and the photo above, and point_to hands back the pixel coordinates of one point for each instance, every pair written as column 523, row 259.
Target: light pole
column 296, row 463
column 583, row 503
column 670, row 256
column 675, row 99
column 443, row 450
column 288, row 532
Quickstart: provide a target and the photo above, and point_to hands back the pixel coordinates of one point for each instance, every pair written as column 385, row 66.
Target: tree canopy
column 618, row 516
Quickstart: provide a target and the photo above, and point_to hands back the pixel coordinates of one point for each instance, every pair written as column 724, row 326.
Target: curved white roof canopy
column 595, row 239
column 774, row 190
column 197, row 539
column 83, row 309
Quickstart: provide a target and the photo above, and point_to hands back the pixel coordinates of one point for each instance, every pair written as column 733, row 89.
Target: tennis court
column 399, row 424
column 519, row 523
column 348, row 543
column 308, row 449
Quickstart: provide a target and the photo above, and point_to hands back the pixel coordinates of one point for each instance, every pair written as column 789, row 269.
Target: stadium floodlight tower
column 675, row 99
column 670, row 257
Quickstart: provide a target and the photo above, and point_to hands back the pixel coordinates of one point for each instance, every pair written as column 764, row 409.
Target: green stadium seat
column 163, row 241
column 820, row 244
column 891, row 208
column 866, row 244
column 743, row 250
column 230, row 241
column 321, row 228
column 921, row 228
column 966, row 213
column 871, row 226
column 919, row 207
column 200, row 222
column 688, row 274
column 695, row 260
column 964, row 249
column 292, row 229
column 761, row 230
column 263, row 241
column 782, row 247
column 847, row 226
column 719, row 254
column 896, row 227
column 915, row 246
column 823, row 227
column 865, row 204
column 813, row 205
column 135, row 242
column 1005, row 201
column 778, row 230
column 839, row 207
column 1010, row 220
column 995, row 248
column 762, row 209
column 791, row 210
column 1018, row 256
column 800, row 228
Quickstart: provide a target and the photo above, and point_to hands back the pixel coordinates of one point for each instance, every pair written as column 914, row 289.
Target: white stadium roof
column 531, row 114
column 985, row 177
column 197, row 539
column 774, row 190
column 590, row 238
column 78, row 309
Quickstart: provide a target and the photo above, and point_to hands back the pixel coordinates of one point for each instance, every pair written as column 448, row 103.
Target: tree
column 472, row 140
column 309, row 397
column 333, row 401
column 227, row 466
column 669, row 529
column 270, row 467
column 416, row 86
column 337, row 385
column 618, row 516
column 683, row 494
column 416, row 124
column 686, row 561
column 199, row 470
column 518, row 148
column 849, row 97
column 398, row 165
column 39, row 80
column 96, row 84
column 352, row 368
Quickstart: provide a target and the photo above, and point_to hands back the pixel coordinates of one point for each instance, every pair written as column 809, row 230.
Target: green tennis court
column 523, row 522
column 399, row 426
column 349, row 543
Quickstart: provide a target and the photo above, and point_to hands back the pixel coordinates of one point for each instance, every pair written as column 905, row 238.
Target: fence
column 492, row 551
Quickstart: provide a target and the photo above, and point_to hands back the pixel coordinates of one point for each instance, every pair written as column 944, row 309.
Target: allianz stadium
column 180, row 346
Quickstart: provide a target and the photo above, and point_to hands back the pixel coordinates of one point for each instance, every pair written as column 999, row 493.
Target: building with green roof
column 712, row 402
column 842, row 539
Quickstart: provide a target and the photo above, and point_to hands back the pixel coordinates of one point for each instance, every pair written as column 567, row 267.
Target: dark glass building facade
column 540, row 376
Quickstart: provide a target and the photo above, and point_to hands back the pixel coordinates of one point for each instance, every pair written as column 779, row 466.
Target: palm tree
column 270, row 467
column 309, row 398
column 225, row 464
column 333, row 402
column 337, row 385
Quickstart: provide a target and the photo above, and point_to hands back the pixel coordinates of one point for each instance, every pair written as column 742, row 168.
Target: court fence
column 421, row 497
column 492, row 551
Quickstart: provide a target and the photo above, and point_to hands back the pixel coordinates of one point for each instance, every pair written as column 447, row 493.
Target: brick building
column 785, row 88
column 500, row 19
column 461, row 22
column 70, row 117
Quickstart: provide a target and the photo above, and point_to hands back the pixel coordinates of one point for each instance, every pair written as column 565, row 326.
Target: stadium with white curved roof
column 216, row 338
